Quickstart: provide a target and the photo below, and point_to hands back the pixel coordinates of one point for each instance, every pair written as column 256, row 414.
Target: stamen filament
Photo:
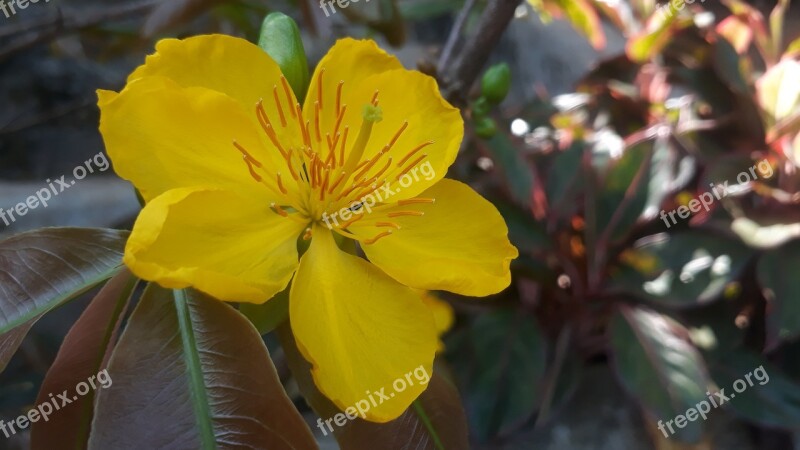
column 376, row 238
column 278, row 103
column 317, row 109
column 319, row 88
column 405, row 213
column 275, row 207
column 280, row 184
column 288, row 92
column 412, row 201
column 411, row 166
column 388, row 224
column 412, row 152
column 339, row 96
column 397, row 136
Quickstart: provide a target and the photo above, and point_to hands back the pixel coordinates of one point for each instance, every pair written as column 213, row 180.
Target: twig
column 469, row 62
column 75, row 22
column 455, row 34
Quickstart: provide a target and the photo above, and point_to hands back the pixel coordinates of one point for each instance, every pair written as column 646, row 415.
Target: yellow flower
column 234, row 171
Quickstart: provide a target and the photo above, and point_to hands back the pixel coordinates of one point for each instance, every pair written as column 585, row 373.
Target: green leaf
column 192, row 371
column 777, row 274
column 683, row 269
column 83, row 354
column 510, row 358
column 514, row 166
column 280, row 38
column 624, row 192
column 657, row 364
column 436, row 420
column 773, row 400
column 660, row 29
column 42, row 269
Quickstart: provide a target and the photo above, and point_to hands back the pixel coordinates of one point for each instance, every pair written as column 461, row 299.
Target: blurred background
column 554, row 362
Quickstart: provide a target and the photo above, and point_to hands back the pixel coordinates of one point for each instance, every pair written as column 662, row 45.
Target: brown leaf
column 84, row 353
column 191, row 372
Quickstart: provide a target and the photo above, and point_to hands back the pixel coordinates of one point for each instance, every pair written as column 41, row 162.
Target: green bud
column 481, row 108
column 486, row 128
column 496, row 83
column 280, row 38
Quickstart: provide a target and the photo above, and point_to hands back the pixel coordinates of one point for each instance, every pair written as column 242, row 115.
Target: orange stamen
column 412, row 201
column 317, row 108
column 376, row 238
column 335, row 184
column 278, row 103
column 411, row 166
column 412, row 152
column 374, row 100
column 350, row 222
column 405, row 213
column 280, row 184
column 339, row 96
column 288, row 92
column 275, row 207
column 397, row 135
column 388, row 224
column 319, row 87
column 344, row 144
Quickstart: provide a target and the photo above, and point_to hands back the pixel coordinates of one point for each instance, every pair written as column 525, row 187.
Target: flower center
column 328, row 177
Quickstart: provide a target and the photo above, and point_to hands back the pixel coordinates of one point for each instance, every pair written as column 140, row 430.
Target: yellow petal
column 460, row 244
column 218, row 62
column 351, row 61
column 361, row 330
column 403, row 96
column 231, row 248
column 161, row 136
column 443, row 315
column 232, row 66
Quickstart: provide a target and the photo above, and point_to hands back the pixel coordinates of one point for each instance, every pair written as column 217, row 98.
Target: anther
column 339, row 96
column 388, row 225
column 412, row 152
column 405, row 213
column 275, row 207
column 350, row 222
column 412, row 201
column 336, row 183
column 410, row 166
column 280, row 184
column 319, row 87
column 288, row 92
column 278, row 104
column 307, row 234
column 317, row 108
column 397, row 135
column 376, row 238
column 374, row 100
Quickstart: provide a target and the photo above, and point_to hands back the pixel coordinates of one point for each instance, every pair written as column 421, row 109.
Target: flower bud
column 496, row 83
column 280, row 38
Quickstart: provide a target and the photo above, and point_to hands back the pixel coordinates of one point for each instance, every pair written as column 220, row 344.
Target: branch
column 63, row 24
column 455, row 33
column 468, row 64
